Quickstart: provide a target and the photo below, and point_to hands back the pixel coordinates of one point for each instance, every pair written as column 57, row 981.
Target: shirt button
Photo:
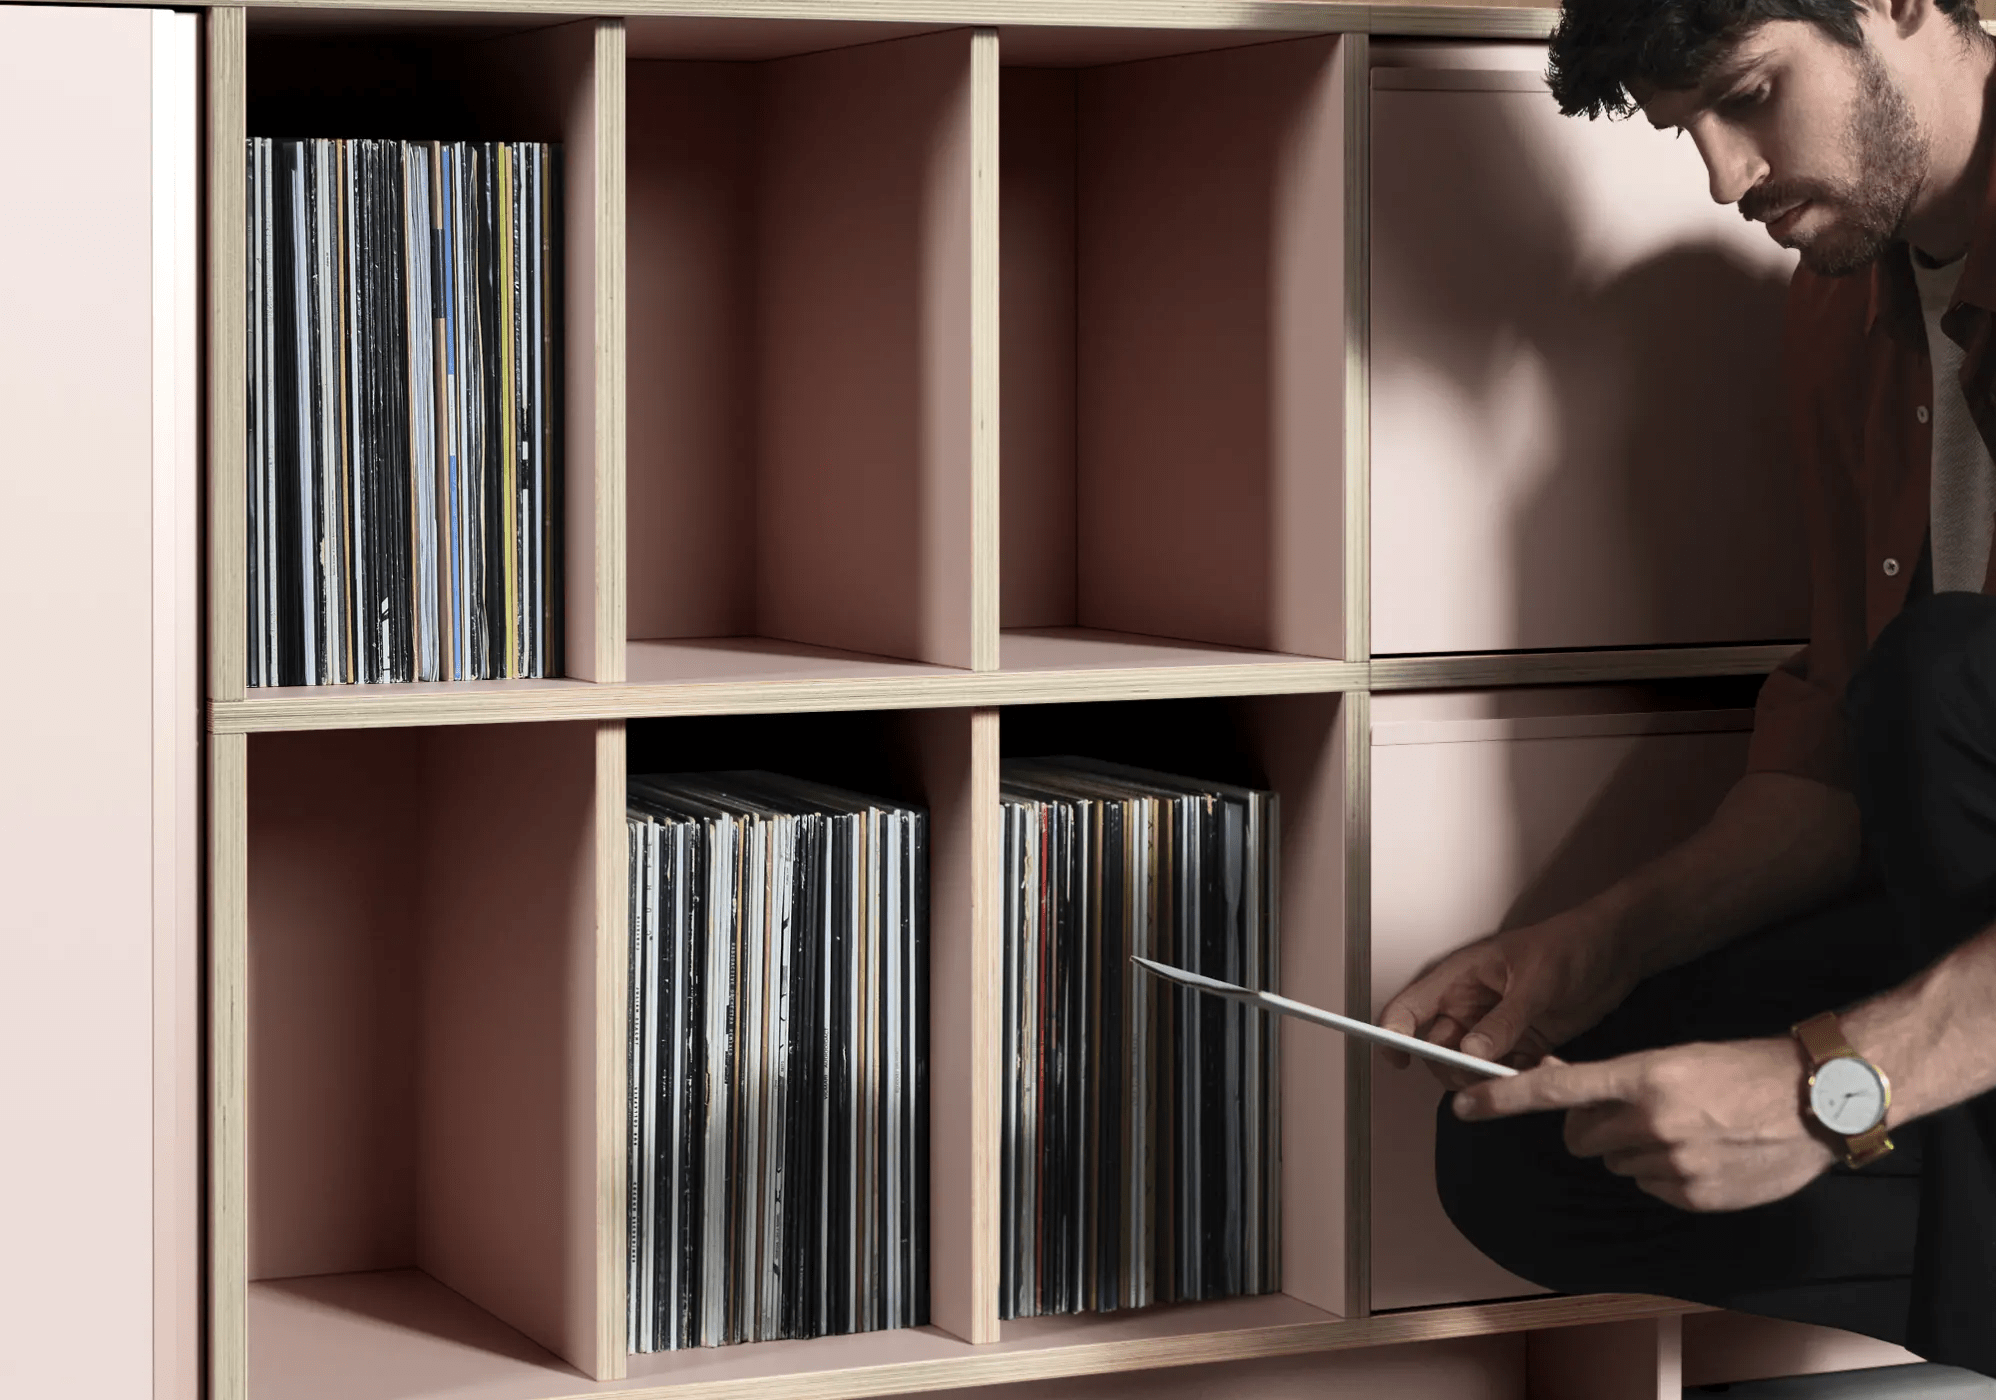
column 1921, row 413
column 1892, row 565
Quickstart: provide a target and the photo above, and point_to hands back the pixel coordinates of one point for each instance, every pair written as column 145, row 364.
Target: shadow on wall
column 1576, row 400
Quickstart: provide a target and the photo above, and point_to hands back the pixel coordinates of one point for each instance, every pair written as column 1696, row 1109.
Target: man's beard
column 1869, row 211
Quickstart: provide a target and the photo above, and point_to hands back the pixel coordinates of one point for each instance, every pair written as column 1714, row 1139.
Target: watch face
column 1847, row 1095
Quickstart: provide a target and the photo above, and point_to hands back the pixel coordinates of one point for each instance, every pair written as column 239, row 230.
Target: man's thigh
column 1839, row 1252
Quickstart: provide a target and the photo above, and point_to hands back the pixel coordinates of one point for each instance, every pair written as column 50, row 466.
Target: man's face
column 1812, row 138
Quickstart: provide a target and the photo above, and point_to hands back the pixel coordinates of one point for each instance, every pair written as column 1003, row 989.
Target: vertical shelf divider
column 1356, row 743
column 1303, row 745
column 1355, row 63
column 613, row 981
column 984, row 350
column 1354, row 71
column 592, row 57
column 228, row 1059
column 956, row 752
column 520, row 1030
column 227, row 104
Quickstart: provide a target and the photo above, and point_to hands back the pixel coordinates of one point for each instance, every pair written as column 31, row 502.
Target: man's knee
column 1931, row 673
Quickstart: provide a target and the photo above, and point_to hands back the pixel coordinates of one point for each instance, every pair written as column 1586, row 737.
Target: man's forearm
column 1776, row 846
column 1935, row 1036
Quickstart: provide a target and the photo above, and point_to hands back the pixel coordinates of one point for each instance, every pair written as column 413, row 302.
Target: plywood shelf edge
column 1272, row 16
column 395, row 707
column 1002, row 1366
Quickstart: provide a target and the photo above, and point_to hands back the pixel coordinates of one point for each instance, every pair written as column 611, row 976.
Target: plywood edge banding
column 1293, row 17
column 393, row 707
column 382, row 708
column 1002, row 1367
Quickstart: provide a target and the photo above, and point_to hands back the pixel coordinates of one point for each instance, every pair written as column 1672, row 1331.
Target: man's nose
column 1733, row 163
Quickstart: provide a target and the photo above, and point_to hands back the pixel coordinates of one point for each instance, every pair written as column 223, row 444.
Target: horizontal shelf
column 1040, row 667
column 1268, row 16
column 402, row 1336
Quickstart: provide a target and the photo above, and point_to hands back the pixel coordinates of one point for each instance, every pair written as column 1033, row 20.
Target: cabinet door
column 1576, row 424
column 99, row 839
column 1482, row 820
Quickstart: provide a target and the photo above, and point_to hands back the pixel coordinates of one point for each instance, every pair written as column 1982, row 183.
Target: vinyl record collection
column 1141, row 1154
column 404, row 411
column 779, row 1097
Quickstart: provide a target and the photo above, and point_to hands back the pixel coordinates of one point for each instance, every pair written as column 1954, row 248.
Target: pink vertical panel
column 508, row 1170
column 1036, row 324
column 1211, row 347
column 1528, row 816
column 1299, row 742
column 177, row 769
column 334, row 956
column 863, row 505
column 955, row 757
column 77, row 568
column 1576, row 421
column 690, row 495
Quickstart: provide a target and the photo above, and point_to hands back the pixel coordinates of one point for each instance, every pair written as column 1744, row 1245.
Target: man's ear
column 1907, row 17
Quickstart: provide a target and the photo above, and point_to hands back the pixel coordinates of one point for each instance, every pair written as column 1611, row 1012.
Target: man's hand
column 1512, row 996
column 1703, row 1127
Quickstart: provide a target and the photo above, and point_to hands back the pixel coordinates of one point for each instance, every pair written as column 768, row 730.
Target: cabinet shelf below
column 400, row 1335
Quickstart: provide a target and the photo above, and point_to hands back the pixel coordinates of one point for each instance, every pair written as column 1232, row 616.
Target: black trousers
column 1904, row 1250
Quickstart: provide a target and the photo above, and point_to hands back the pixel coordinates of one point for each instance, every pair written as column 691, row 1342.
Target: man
column 1672, row 1144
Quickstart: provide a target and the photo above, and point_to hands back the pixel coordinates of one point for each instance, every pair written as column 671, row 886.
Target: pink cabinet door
column 1576, row 426
column 99, row 841
column 1487, row 813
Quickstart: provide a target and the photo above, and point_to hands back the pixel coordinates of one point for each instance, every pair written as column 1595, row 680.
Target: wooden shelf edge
column 1574, row 667
column 1271, row 16
column 389, row 707
column 382, row 707
column 1461, row 21
column 1004, row 1367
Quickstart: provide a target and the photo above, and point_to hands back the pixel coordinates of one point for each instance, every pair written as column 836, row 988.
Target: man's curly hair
column 1600, row 45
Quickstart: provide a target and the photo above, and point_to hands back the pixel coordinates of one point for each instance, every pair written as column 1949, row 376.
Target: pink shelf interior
column 1172, row 335
column 695, row 660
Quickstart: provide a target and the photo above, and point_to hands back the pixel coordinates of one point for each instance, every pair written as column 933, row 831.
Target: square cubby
column 1174, row 349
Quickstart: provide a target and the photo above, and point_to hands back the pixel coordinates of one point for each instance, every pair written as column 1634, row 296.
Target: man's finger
column 1600, row 1130
column 1551, row 1086
column 1498, row 1033
column 1414, row 1007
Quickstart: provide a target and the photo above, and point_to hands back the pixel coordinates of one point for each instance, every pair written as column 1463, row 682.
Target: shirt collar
column 1895, row 296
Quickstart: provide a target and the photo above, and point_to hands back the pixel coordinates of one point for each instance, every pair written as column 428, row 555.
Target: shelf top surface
column 1270, row 18
column 400, row 1335
column 757, row 675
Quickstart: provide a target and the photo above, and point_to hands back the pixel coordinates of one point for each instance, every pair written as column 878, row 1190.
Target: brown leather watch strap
column 1822, row 1037
column 1865, row 1148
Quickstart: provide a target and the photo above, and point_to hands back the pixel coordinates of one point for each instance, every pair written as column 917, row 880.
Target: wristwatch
column 1847, row 1093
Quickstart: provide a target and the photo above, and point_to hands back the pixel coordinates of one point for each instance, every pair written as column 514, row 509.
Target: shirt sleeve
column 1799, row 718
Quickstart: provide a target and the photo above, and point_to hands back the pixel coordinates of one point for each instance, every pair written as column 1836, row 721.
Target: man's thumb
column 1497, row 1033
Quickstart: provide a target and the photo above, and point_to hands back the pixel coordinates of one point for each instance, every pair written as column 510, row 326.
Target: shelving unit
column 945, row 379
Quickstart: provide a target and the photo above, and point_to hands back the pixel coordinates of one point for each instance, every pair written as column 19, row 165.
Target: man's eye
column 1746, row 98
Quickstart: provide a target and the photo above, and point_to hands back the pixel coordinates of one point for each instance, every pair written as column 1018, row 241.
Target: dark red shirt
column 1860, row 405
